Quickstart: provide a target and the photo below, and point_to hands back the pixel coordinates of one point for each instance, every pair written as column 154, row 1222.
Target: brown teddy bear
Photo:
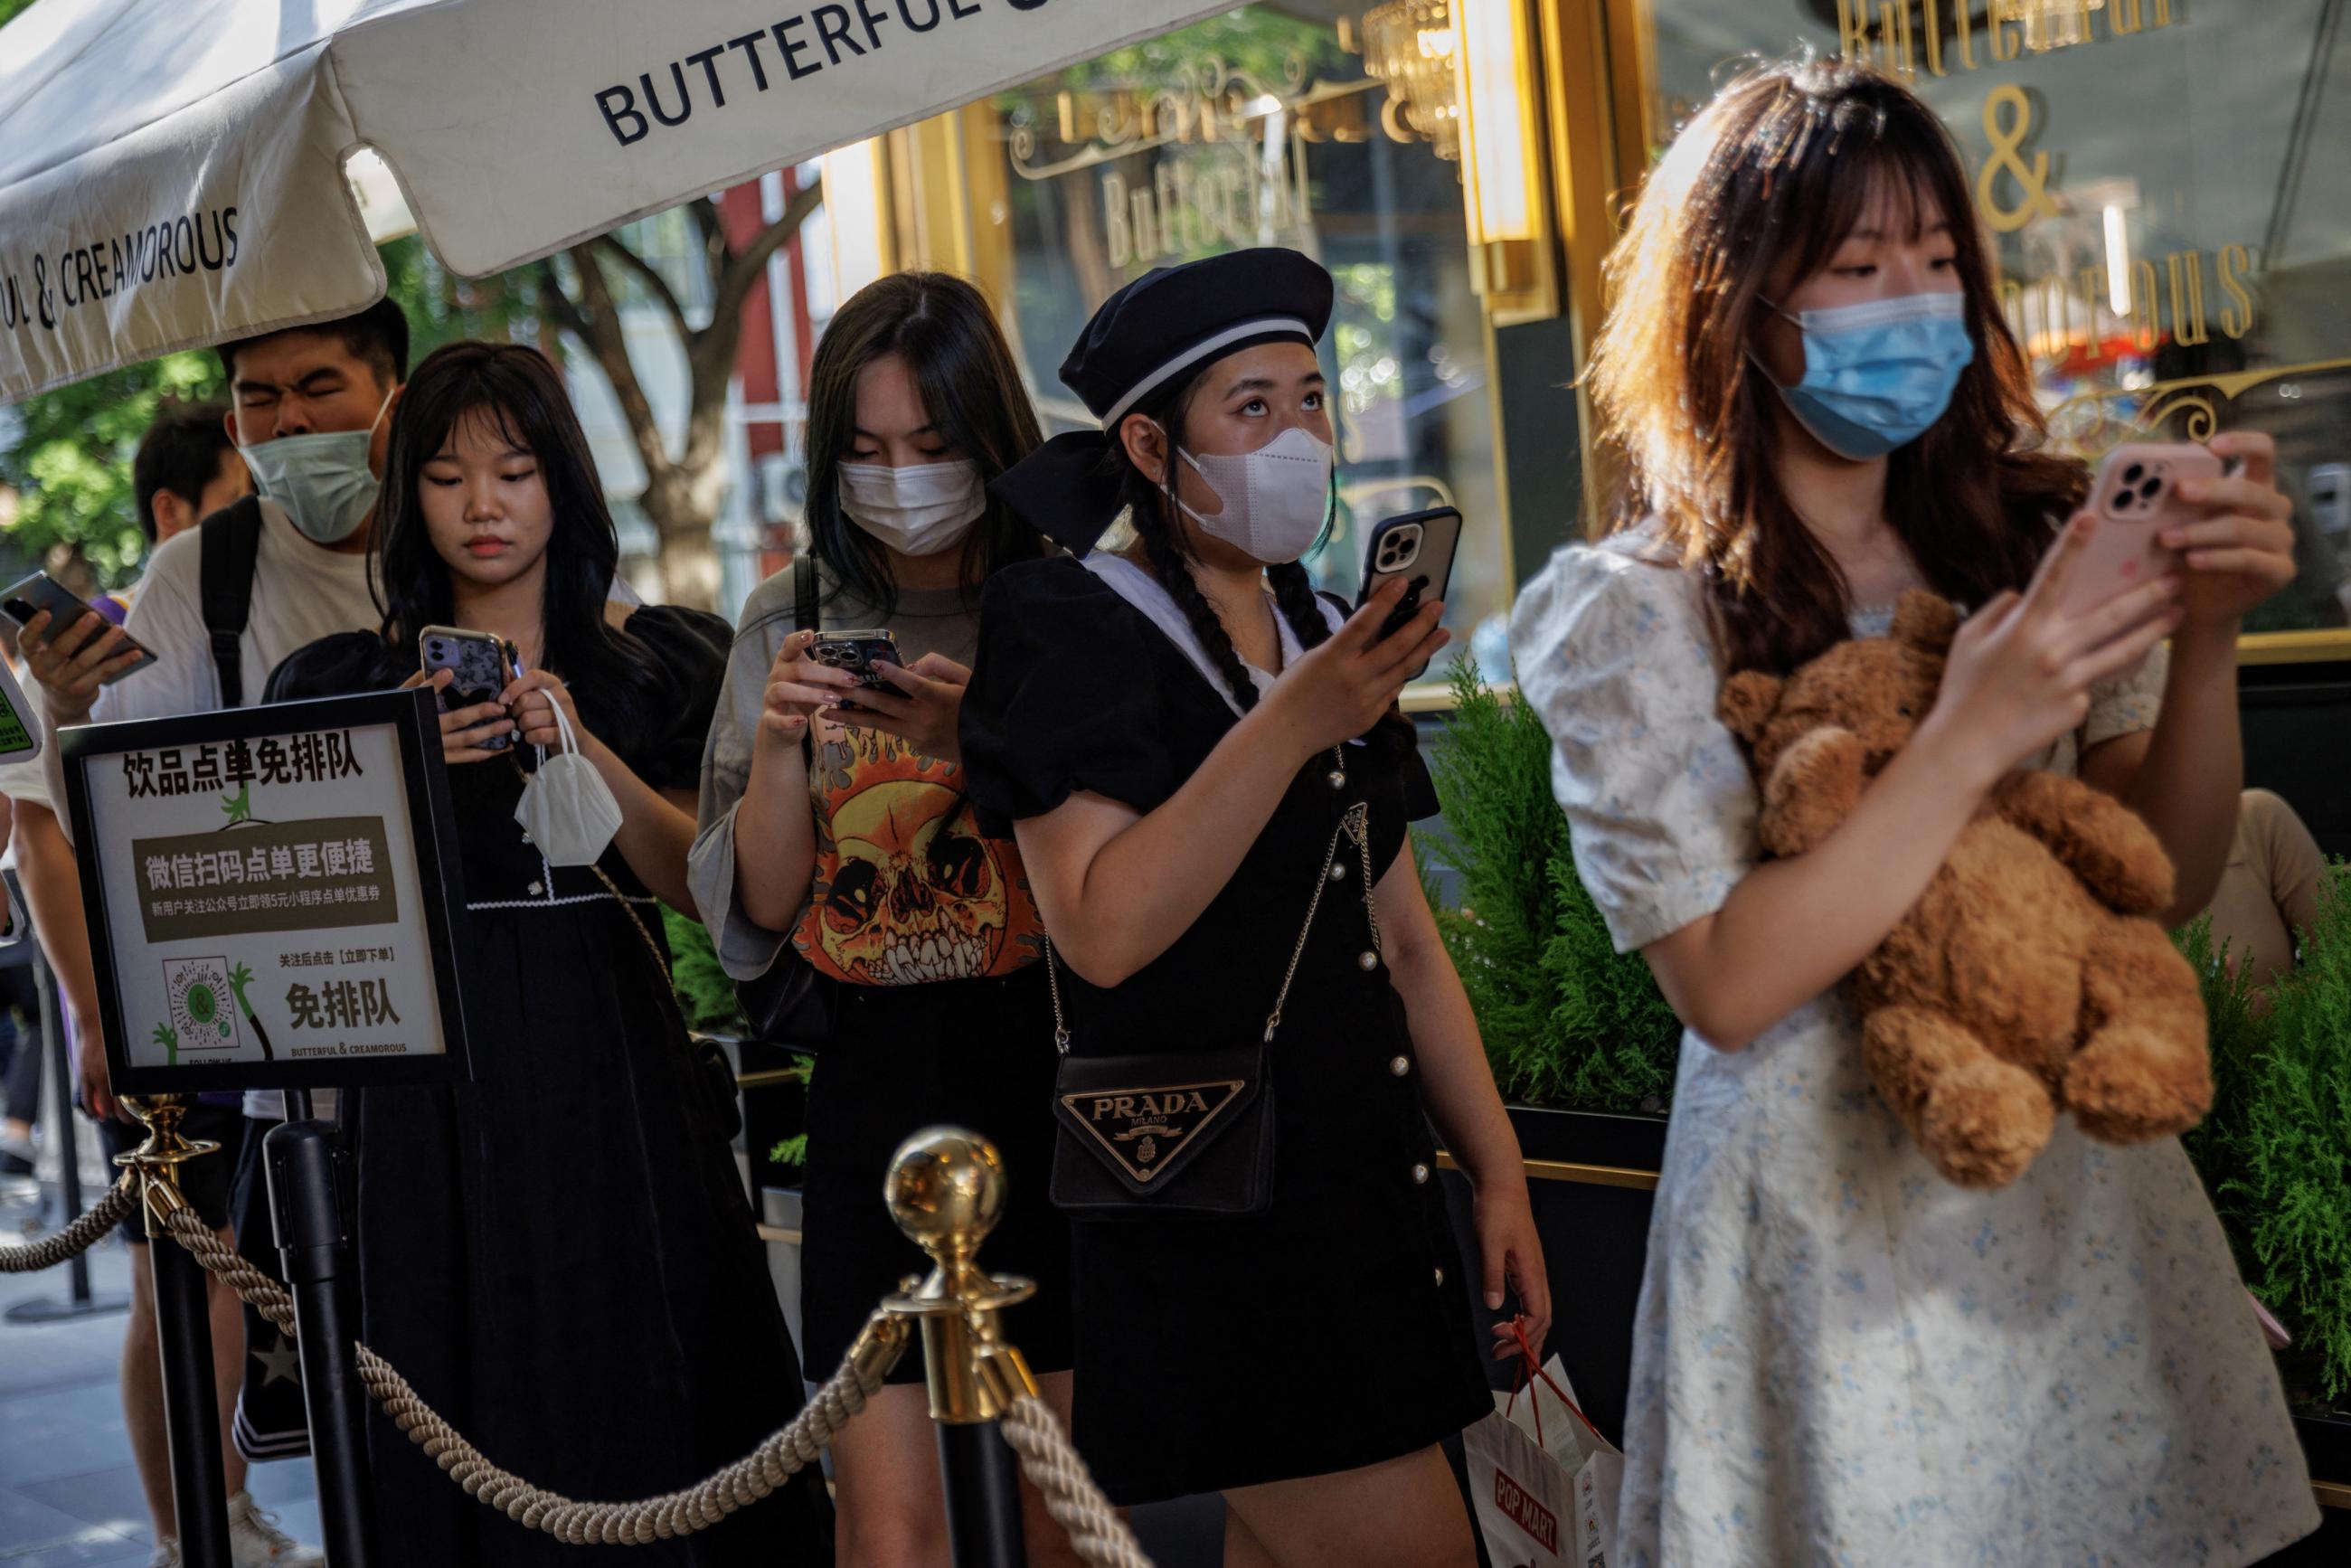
column 2028, row 978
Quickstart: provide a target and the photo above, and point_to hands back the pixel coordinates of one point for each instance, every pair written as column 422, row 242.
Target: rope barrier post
column 184, row 1331
column 946, row 1190
column 80, row 1301
column 311, row 1192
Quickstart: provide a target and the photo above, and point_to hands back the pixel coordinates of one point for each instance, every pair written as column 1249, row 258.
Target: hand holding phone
column 1418, row 547
column 2135, row 498
column 853, row 654
column 480, row 666
column 71, row 667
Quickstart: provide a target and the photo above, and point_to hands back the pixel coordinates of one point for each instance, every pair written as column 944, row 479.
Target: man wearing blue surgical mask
column 220, row 604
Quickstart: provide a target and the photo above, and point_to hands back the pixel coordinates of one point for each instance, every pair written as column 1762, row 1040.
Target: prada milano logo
column 1144, row 1129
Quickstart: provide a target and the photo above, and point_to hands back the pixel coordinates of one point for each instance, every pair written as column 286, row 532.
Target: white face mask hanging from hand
column 567, row 807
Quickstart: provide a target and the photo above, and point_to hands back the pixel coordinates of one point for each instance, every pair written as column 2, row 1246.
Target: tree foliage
column 1568, row 1021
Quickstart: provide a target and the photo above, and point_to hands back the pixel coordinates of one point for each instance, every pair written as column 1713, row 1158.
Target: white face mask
column 567, row 807
column 920, row 510
column 1276, row 499
column 321, row 479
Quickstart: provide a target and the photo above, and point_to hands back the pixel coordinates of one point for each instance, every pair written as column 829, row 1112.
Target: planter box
column 1590, row 1177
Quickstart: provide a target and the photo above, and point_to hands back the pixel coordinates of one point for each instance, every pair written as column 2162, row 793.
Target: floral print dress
column 1839, row 1357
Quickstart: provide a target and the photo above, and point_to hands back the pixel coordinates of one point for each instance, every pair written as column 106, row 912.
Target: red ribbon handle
column 1531, row 1370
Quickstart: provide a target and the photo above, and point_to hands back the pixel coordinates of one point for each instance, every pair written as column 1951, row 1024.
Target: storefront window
column 1262, row 126
column 2163, row 179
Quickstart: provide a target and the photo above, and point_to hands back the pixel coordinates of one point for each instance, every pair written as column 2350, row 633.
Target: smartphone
column 2135, row 499
column 856, row 653
column 20, row 732
column 483, row 664
column 1419, row 546
column 40, row 592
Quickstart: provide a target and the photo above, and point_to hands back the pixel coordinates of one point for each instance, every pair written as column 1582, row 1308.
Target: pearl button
column 1335, row 778
column 1420, row 1175
column 525, row 838
column 537, row 889
column 1338, row 871
column 1399, row 1065
column 1440, row 1276
column 1367, row 961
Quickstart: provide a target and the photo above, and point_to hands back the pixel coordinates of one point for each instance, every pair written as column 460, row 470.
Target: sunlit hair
column 1771, row 176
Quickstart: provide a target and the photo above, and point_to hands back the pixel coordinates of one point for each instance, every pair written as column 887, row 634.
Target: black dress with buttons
column 559, row 1255
column 1330, row 1332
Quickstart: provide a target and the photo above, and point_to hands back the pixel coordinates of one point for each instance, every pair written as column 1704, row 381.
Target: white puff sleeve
column 1614, row 653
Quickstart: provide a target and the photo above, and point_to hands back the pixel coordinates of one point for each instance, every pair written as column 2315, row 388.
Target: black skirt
column 562, row 1258
column 976, row 1054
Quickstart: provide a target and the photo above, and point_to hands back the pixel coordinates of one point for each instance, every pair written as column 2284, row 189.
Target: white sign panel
column 269, row 904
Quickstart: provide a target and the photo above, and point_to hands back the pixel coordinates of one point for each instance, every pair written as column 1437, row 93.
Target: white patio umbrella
column 172, row 171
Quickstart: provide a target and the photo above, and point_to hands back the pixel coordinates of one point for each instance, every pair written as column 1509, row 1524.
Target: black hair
column 180, row 453
column 377, row 336
column 1150, row 507
column 971, row 388
column 517, row 387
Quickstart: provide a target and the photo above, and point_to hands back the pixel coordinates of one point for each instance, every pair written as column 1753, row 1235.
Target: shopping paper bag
column 1596, row 1507
column 1525, row 1502
column 1544, row 1407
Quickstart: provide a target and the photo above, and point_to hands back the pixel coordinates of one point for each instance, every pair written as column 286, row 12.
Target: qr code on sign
column 203, row 1010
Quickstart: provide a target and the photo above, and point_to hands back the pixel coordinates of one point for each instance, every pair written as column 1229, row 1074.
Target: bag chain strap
column 1356, row 824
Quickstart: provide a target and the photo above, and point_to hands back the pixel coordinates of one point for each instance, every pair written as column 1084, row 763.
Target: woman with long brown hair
column 837, row 834
column 1841, row 1357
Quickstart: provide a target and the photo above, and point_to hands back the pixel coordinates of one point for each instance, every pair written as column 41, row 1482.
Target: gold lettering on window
column 2188, row 302
column 2237, row 316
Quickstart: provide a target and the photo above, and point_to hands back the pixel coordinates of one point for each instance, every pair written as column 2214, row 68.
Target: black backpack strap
column 804, row 607
column 230, row 542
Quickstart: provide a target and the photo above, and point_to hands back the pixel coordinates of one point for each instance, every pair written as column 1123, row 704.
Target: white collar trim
column 1142, row 590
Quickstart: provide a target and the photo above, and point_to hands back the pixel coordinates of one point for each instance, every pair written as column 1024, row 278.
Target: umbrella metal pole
column 184, row 1332
column 310, row 1200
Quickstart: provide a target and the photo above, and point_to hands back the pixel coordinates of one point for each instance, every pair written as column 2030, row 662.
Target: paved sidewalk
column 69, row 1493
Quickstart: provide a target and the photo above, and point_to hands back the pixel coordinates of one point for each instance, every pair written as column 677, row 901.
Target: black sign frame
column 414, row 717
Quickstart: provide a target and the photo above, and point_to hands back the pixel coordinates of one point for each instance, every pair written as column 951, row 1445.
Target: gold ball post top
column 946, row 1190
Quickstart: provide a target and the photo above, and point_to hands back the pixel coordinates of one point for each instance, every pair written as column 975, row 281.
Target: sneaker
column 166, row 1556
column 255, row 1541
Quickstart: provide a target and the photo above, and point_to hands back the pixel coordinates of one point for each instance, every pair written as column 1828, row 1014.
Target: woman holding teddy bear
column 1842, row 1356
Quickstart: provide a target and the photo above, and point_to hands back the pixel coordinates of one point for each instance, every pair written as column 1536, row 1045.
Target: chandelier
column 1410, row 45
column 2051, row 23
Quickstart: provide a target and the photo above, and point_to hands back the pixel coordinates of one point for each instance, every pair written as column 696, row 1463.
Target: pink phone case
column 2135, row 498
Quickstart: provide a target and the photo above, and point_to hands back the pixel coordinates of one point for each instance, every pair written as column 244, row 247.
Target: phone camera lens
column 2152, row 488
column 2124, row 500
column 2133, row 474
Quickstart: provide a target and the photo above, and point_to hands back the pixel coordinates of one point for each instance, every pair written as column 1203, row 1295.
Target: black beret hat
column 1175, row 318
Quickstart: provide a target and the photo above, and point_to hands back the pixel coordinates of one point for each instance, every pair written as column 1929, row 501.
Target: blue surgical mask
column 321, row 479
column 1877, row 376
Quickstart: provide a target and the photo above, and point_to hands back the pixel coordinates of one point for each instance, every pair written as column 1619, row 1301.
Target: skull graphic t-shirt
column 906, row 890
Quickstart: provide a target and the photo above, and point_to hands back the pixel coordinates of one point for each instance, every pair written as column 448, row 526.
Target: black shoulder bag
column 1188, row 1132
column 791, row 1004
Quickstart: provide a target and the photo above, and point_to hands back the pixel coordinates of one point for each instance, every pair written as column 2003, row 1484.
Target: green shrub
column 1568, row 1021
column 705, row 995
column 2275, row 1152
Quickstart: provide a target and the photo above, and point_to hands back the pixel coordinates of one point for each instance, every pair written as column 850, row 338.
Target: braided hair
column 1150, row 507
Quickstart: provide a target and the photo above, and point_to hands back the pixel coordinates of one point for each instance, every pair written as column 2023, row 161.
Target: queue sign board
column 274, row 895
